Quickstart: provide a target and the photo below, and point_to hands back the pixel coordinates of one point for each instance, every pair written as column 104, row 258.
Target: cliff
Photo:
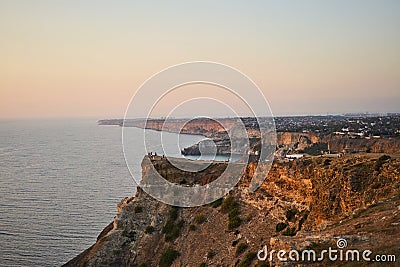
column 312, row 143
column 303, row 203
column 200, row 126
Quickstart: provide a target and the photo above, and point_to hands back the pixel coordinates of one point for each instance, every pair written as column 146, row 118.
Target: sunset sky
column 87, row 58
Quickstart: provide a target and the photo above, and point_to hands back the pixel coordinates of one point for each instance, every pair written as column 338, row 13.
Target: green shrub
column 229, row 203
column 248, row 259
column 168, row 226
column 233, row 212
column 168, row 257
column 201, row 218
column 234, row 222
column 231, row 206
column 173, row 234
column 149, row 229
column 138, row 209
column 280, row 226
column 192, row 227
column 173, row 213
column 217, row 203
column 203, row 264
column 171, row 230
column 241, row 248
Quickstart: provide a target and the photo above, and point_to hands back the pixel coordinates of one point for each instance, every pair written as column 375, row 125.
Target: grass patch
column 248, row 259
column 168, row 257
column 234, row 222
column 173, row 213
column 217, row 203
column 241, row 248
column 233, row 212
column 168, row 226
column 231, row 206
column 229, row 203
column 171, row 229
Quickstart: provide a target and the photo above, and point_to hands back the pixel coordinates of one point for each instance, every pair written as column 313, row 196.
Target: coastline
column 315, row 216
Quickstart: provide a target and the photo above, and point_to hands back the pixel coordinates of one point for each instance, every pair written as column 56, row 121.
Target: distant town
column 362, row 125
column 296, row 135
column 352, row 125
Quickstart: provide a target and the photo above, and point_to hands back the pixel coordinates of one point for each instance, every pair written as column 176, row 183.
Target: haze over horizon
column 86, row 59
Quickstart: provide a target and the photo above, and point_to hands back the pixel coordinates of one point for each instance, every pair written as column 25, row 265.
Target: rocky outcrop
column 295, row 139
column 384, row 145
column 302, row 203
column 200, row 126
column 313, row 143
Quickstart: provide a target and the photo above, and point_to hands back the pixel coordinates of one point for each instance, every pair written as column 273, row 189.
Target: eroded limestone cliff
column 301, row 204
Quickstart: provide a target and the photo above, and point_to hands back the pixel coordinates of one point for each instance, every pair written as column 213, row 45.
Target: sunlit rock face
column 313, row 200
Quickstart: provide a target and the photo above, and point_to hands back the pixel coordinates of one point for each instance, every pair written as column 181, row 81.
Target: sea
column 60, row 182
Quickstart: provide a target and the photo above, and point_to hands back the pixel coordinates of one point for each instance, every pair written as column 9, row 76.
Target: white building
column 295, row 156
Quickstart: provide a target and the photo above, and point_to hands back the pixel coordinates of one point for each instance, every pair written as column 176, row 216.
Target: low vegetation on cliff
column 301, row 204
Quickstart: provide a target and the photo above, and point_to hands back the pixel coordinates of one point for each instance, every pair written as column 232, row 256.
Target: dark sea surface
column 60, row 182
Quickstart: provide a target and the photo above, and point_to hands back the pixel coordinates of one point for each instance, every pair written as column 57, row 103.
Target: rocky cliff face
column 313, row 143
column 303, row 203
column 200, row 126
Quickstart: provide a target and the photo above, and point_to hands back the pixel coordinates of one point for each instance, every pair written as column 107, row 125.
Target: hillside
column 306, row 203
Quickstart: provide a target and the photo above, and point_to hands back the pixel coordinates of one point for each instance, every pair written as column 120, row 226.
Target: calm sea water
column 60, row 181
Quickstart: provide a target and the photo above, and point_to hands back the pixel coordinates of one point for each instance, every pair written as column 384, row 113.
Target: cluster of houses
column 352, row 125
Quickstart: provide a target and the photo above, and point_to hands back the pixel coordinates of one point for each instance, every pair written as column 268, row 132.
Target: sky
column 87, row 58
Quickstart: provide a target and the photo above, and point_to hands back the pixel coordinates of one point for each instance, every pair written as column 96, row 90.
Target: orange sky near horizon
column 74, row 59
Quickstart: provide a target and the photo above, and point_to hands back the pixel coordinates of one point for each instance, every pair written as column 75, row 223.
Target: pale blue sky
column 87, row 58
